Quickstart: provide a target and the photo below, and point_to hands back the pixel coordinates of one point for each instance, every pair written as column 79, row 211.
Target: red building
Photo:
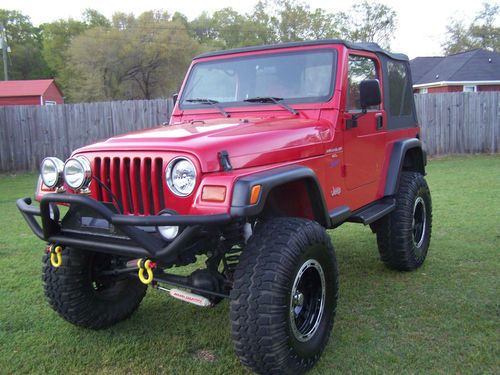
column 472, row 71
column 30, row 92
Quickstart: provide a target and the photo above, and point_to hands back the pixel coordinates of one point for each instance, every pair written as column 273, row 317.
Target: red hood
column 250, row 142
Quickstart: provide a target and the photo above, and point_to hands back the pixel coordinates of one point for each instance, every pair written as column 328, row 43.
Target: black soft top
column 370, row 47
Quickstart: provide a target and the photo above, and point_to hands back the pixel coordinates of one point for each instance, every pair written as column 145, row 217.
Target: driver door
column 364, row 140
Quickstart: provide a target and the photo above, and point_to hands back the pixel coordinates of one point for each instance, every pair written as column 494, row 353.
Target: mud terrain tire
column 404, row 235
column 284, row 297
column 74, row 293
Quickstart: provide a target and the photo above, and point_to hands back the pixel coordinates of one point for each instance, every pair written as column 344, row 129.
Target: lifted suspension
column 206, row 284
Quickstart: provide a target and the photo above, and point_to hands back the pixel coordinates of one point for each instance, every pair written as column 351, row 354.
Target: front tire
column 284, row 297
column 404, row 235
column 80, row 297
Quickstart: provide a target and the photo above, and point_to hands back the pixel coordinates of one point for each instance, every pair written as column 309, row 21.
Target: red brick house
column 30, row 92
column 472, row 71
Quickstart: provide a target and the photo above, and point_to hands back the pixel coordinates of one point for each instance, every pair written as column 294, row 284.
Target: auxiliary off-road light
column 51, row 170
column 181, row 176
column 77, row 173
column 168, row 232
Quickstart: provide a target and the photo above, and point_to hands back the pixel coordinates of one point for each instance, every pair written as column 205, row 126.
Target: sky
column 420, row 32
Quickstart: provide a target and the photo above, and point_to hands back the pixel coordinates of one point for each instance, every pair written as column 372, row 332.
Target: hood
column 249, row 142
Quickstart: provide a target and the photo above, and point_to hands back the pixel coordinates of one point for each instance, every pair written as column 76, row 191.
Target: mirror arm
column 353, row 121
column 355, row 116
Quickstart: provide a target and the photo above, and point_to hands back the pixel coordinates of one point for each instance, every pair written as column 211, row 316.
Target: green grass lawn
column 441, row 319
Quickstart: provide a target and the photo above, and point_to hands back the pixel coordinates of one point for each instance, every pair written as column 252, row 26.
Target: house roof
column 25, row 87
column 422, row 65
column 471, row 66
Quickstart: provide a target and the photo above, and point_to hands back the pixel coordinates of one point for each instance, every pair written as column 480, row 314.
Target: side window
column 359, row 69
column 400, row 92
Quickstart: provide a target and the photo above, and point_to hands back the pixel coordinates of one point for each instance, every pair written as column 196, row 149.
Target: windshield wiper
column 272, row 99
column 211, row 102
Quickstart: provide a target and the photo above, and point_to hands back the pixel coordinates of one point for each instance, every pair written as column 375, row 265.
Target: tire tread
column 69, row 293
column 259, row 334
column 394, row 230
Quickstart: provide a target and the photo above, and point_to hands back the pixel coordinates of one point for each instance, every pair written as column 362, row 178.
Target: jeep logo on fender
column 336, row 191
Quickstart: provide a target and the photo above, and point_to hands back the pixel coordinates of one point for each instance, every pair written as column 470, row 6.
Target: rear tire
column 76, row 294
column 284, row 297
column 404, row 235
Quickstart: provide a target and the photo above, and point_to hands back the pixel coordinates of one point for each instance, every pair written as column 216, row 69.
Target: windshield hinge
column 224, row 161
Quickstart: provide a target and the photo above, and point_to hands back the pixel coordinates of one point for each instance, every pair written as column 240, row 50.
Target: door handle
column 380, row 121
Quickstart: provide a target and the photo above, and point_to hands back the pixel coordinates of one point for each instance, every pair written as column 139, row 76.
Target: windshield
column 294, row 77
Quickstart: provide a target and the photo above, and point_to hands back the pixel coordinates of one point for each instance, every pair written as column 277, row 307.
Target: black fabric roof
column 371, row 47
column 475, row 65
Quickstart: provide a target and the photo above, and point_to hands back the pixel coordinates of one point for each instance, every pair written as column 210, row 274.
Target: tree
column 368, row 22
column 204, row 30
column 24, row 41
column 228, row 26
column 482, row 32
column 181, row 18
column 259, row 27
column 122, row 21
column 292, row 20
column 136, row 58
column 56, row 39
column 274, row 21
column 128, row 57
column 92, row 18
column 324, row 25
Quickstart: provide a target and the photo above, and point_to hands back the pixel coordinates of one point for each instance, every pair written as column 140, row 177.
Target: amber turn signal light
column 255, row 194
column 213, row 193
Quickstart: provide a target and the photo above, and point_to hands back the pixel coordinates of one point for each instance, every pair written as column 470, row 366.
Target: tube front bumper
column 134, row 240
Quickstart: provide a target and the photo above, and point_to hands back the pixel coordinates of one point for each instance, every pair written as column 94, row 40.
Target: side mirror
column 175, row 97
column 369, row 93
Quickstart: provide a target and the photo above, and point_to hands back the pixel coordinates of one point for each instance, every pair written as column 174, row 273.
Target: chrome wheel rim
column 307, row 300
column 419, row 223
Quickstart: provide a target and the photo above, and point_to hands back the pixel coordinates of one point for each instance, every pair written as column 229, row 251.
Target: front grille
column 137, row 183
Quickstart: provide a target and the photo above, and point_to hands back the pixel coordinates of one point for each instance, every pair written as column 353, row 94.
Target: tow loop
column 146, row 266
column 55, row 255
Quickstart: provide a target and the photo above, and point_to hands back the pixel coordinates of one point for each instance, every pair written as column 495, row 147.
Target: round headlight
column 51, row 172
column 77, row 173
column 181, row 176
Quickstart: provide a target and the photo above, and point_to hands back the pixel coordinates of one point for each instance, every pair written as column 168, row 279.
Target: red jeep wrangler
column 267, row 148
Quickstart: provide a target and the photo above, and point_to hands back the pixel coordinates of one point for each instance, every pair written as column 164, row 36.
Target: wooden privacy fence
column 452, row 123
column 459, row 123
column 30, row 133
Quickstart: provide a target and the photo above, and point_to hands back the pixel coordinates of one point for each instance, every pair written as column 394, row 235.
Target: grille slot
column 137, row 183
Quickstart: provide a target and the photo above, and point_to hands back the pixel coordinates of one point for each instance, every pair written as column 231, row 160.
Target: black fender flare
column 396, row 162
column 272, row 178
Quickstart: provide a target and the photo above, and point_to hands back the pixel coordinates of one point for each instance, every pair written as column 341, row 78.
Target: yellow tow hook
column 55, row 255
column 148, row 266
